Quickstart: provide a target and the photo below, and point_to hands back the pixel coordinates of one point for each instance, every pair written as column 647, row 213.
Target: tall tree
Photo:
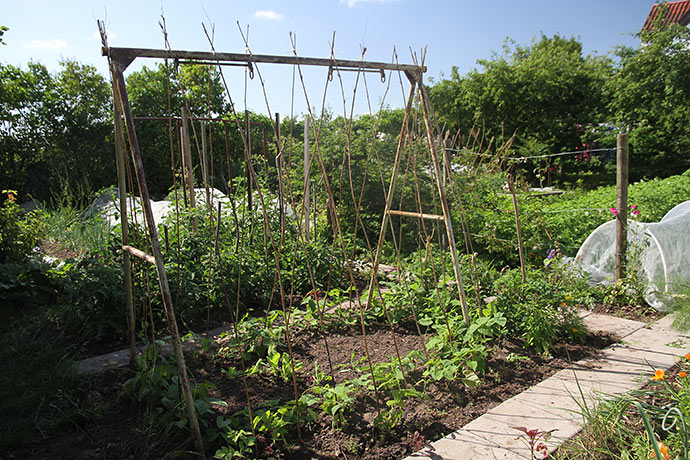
column 649, row 94
column 55, row 129
column 541, row 93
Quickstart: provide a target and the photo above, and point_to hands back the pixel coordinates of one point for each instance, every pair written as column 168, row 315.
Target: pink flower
column 614, row 211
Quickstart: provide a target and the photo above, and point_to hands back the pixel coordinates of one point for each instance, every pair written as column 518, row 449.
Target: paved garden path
column 553, row 403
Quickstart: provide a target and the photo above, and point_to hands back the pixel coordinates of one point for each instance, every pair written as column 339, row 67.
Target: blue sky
column 455, row 32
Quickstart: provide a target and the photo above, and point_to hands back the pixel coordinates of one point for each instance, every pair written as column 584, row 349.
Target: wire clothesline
column 576, row 152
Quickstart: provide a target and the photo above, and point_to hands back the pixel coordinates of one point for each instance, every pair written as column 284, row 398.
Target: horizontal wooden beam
column 124, row 56
column 139, row 253
column 395, row 212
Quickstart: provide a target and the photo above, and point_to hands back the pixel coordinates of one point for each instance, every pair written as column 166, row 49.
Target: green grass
column 66, row 233
column 38, row 385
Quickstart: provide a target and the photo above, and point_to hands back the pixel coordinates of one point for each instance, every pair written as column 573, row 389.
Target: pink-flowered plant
column 536, row 440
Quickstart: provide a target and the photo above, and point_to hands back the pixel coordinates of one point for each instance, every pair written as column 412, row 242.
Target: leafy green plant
column 18, row 233
column 335, row 400
column 280, row 365
column 539, row 310
column 274, row 420
column 240, row 442
column 393, row 416
column 156, row 385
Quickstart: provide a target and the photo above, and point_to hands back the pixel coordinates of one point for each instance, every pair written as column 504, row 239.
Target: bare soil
column 511, row 369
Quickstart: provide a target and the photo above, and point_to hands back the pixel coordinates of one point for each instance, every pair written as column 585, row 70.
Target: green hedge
column 560, row 222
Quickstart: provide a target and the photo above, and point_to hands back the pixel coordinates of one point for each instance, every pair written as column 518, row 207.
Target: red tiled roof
column 676, row 12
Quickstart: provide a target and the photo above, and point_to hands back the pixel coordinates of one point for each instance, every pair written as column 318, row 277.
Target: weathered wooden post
column 124, row 228
column 621, row 205
column 187, row 156
column 120, row 98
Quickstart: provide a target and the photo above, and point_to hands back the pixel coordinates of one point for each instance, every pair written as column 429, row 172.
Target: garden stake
column 322, row 329
column 359, row 219
column 253, row 177
column 120, row 96
column 187, row 164
column 517, row 226
column 124, row 226
column 429, row 253
column 232, row 192
column 336, row 222
column 444, row 203
column 172, row 163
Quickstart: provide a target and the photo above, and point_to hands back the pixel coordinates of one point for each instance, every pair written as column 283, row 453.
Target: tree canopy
column 553, row 99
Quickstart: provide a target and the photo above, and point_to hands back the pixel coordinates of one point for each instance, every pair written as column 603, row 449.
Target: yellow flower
column 659, row 374
column 575, row 330
column 568, row 297
column 563, row 304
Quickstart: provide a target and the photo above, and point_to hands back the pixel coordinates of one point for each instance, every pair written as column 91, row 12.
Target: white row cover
column 658, row 250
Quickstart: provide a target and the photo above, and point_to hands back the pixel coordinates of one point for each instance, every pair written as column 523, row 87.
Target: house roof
column 677, row 12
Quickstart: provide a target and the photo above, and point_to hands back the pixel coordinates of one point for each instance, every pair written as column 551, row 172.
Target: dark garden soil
column 511, row 369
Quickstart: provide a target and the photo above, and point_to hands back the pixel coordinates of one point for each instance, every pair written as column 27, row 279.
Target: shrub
column 542, row 309
column 18, row 233
column 562, row 221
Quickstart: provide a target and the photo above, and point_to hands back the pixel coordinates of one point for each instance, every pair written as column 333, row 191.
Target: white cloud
column 55, row 44
column 269, row 14
column 353, row 3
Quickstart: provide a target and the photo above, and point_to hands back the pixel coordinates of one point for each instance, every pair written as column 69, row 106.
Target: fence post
column 621, row 204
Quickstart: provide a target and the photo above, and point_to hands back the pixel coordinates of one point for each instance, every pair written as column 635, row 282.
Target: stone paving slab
column 118, row 359
column 553, row 403
column 596, row 322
